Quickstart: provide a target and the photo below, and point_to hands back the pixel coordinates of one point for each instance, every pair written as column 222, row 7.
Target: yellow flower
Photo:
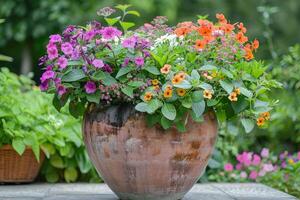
column 168, row 93
column 148, row 96
column 214, row 74
column 291, row 161
column 154, row 82
column 207, row 94
column 260, row 121
column 233, row 96
column 181, row 92
column 237, row 91
column 265, row 115
column 165, row 69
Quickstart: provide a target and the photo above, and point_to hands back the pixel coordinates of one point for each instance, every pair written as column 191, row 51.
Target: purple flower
column 129, row 42
column 67, row 32
column 253, row 175
column 110, row 33
column 67, row 48
column 107, row 68
column 146, row 54
column 44, row 85
column 264, row 153
column 268, row 167
column 144, row 43
column 89, row 35
column 90, row 87
column 76, row 54
column 47, row 75
column 125, row 62
column 62, row 62
column 238, row 166
column 98, row 63
column 256, row 160
column 228, row 167
column 61, row 90
column 139, row 61
column 55, row 38
column 52, row 51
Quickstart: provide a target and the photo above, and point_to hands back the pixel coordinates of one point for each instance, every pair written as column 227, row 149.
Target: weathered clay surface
column 138, row 162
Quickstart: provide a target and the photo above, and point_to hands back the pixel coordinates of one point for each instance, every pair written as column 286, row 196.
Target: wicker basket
column 18, row 169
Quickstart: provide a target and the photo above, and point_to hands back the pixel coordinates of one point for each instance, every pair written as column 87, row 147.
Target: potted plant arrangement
column 152, row 97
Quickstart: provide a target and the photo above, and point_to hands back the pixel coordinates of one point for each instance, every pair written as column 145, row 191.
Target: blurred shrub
column 27, row 118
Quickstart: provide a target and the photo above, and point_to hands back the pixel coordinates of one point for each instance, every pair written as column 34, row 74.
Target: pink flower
column 61, row 90
column 268, row 167
column 52, row 51
column 44, row 85
column 243, row 174
column 98, row 63
column 62, row 62
column 67, row 48
column 298, row 155
column 139, row 61
column 90, row 87
column 125, row 62
column 256, row 160
column 253, row 175
column 89, row 35
column 110, row 33
column 264, row 153
column 55, row 38
column 49, row 74
column 245, row 158
column 261, row 173
column 228, row 167
column 238, row 166
column 129, row 42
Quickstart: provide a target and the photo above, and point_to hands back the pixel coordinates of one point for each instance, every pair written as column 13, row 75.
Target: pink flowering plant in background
column 168, row 73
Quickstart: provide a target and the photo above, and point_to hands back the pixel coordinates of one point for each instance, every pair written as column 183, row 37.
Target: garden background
column 275, row 23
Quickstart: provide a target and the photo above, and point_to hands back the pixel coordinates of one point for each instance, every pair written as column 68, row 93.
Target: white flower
column 171, row 38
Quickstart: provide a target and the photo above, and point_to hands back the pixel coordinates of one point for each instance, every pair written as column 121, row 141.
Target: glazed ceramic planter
column 138, row 162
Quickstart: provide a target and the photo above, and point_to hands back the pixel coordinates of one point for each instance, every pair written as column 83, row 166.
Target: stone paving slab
column 86, row 191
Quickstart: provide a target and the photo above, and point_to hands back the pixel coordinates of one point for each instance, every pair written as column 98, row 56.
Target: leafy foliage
column 27, row 119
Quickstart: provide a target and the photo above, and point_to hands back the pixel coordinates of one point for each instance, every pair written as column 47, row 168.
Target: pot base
column 130, row 196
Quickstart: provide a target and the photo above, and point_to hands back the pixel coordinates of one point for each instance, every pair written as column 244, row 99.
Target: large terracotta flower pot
column 138, row 162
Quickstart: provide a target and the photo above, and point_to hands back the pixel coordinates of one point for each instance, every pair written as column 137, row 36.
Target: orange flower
column 241, row 38
column 205, row 30
column 233, row 96
column 200, row 44
column 260, row 121
column 242, row 28
column 177, row 79
column 265, row 115
column 221, row 18
column 181, row 92
column 148, row 96
column 154, row 82
column 168, row 93
column 208, row 39
column 227, row 28
column 156, row 87
column 165, row 69
column 237, row 91
column 255, row 44
column 207, row 94
column 182, row 31
column 182, row 75
column 249, row 54
column 185, row 24
column 168, row 87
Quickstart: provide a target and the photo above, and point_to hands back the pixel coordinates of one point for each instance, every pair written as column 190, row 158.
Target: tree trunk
column 26, row 59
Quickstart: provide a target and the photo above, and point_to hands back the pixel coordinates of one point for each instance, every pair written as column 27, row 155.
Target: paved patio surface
column 85, row 191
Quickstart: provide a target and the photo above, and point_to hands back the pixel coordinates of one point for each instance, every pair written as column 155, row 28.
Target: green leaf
column 5, row 58
column 58, row 103
column 152, row 70
column 240, row 105
column 152, row 119
column 48, row 149
column 198, row 108
column 142, row 107
column 184, row 85
column 126, row 25
column 123, row 71
column 227, row 73
column 181, row 126
column 205, row 86
column 52, row 176
column 153, row 105
column 76, row 108
column 135, row 84
column 57, row 161
column 18, row 145
column 123, row 7
column 197, row 96
column 187, row 102
column 157, row 59
column 165, row 123
column 128, row 90
column 228, row 87
column 246, row 92
column 108, row 80
column 169, row 111
column 95, row 97
column 98, row 75
column 75, row 63
column 112, row 21
column 133, row 12
column 248, row 124
column 208, row 67
column 195, row 75
column 73, row 75
column 70, row 174
column 212, row 163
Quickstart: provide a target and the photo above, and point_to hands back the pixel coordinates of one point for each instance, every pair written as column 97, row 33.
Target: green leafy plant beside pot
column 27, row 120
column 174, row 79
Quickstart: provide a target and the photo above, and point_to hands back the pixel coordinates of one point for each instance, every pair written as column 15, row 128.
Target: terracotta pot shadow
column 139, row 162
